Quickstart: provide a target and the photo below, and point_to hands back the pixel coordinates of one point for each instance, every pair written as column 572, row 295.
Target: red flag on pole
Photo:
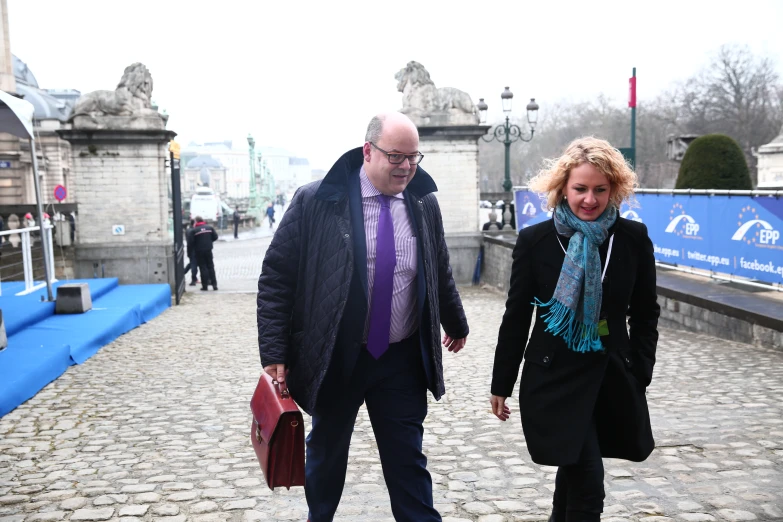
column 632, row 91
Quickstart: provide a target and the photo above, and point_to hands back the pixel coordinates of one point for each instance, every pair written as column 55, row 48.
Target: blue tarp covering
column 41, row 352
column 20, row 312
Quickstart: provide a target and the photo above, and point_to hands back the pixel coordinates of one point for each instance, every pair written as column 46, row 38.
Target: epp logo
column 764, row 233
column 528, row 208
column 681, row 223
column 633, row 216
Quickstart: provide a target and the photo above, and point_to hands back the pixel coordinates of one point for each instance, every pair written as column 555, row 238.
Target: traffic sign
column 118, row 230
column 60, row 193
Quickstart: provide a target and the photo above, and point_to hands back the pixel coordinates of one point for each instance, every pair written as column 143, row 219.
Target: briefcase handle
column 283, row 392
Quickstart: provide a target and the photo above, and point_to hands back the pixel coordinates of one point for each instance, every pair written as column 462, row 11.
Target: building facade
column 52, row 110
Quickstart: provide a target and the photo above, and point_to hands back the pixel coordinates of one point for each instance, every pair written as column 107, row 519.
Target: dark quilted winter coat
column 308, row 269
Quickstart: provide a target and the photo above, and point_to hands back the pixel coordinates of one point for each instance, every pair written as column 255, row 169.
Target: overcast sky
column 308, row 75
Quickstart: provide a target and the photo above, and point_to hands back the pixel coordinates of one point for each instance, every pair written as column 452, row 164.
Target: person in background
column 236, row 223
column 192, row 263
column 270, row 213
column 203, row 236
column 582, row 388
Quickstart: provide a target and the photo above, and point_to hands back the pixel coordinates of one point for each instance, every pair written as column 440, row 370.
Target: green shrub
column 714, row 161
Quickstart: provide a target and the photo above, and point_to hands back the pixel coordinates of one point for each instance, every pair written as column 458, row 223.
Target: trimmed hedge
column 714, row 161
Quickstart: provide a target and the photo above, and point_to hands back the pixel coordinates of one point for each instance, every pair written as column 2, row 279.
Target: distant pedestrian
column 236, row 224
column 203, row 236
column 270, row 213
column 192, row 263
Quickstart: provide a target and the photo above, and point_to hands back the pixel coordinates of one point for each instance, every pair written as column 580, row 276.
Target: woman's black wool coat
column 561, row 390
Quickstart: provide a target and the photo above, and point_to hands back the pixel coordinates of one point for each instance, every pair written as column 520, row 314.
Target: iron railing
column 24, row 238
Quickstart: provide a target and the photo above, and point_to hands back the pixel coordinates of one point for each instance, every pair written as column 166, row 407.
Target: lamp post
column 508, row 133
column 254, row 209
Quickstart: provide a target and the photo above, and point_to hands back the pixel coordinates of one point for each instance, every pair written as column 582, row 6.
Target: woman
column 582, row 390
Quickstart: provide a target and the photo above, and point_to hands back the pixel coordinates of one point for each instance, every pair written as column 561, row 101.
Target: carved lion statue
column 132, row 97
column 422, row 100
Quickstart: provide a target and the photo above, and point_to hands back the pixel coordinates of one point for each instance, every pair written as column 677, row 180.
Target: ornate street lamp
column 255, row 207
column 509, row 132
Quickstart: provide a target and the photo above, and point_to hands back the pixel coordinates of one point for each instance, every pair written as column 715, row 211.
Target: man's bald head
column 390, row 132
column 392, row 119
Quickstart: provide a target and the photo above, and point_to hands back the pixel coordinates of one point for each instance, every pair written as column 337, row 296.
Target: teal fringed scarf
column 576, row 305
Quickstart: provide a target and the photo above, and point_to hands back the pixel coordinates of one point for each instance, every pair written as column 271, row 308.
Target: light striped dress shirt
column 404, row 318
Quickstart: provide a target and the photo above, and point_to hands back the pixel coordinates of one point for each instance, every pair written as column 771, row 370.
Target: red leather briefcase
column 277, row 432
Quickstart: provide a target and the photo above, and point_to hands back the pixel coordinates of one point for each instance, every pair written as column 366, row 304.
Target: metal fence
column 22, row 257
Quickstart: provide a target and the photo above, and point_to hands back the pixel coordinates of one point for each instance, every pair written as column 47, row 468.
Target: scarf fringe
column 560, row 320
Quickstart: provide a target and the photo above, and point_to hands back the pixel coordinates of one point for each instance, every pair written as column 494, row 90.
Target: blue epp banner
column 738, row 235
column 528, row 209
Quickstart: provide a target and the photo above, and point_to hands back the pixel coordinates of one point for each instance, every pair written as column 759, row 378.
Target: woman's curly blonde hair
column 552, row 179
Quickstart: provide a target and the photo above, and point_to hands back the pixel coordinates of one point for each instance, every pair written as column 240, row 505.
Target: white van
column 206, row 204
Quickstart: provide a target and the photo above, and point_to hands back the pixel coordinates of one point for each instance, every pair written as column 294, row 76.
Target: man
column 192, row 262
column 202, row 236
column 351, row 297
column 236, row 224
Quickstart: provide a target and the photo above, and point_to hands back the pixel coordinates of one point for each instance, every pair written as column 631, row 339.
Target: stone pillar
column 451, row 158
column 13, row 172
column 771, row 164
column 121, row 179
column 7, row 79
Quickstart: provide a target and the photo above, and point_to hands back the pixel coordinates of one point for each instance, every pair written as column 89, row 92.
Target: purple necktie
column 383, row 284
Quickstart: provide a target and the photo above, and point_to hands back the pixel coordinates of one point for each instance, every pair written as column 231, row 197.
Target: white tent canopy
column 16, row 117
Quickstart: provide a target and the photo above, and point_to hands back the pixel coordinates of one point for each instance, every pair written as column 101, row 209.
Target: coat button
column 628, row 360
column 546, row 359
column 347, row 235
column 421, row 202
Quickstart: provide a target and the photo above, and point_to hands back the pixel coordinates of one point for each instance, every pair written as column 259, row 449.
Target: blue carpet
column 41, row 352
column 20, row 312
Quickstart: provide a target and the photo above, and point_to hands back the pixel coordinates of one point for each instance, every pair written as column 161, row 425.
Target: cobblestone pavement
column 156, row 427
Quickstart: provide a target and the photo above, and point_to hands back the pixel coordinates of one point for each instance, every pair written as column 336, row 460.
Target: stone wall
column 453, row 164
column 496, row 263
column 121, row 179
column 684, row 316
column 451, row 158
column 121, row 184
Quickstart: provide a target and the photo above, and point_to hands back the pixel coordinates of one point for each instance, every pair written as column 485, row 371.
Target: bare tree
column 738, row 94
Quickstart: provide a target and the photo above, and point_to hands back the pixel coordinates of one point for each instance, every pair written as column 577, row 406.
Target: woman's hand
column 499, row 407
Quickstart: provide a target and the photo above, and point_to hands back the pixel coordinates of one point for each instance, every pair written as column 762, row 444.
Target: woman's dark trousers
column 579, row 488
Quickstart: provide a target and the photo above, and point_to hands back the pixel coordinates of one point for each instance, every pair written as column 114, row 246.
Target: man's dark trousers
column 193, row 269
column 236, row 229
column 206, row 266
column 395, row 392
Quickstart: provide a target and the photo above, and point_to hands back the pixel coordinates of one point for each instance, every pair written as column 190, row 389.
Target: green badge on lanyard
column 603, row 328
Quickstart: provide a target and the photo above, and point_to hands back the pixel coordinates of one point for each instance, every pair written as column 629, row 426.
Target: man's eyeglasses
column 395, row 158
